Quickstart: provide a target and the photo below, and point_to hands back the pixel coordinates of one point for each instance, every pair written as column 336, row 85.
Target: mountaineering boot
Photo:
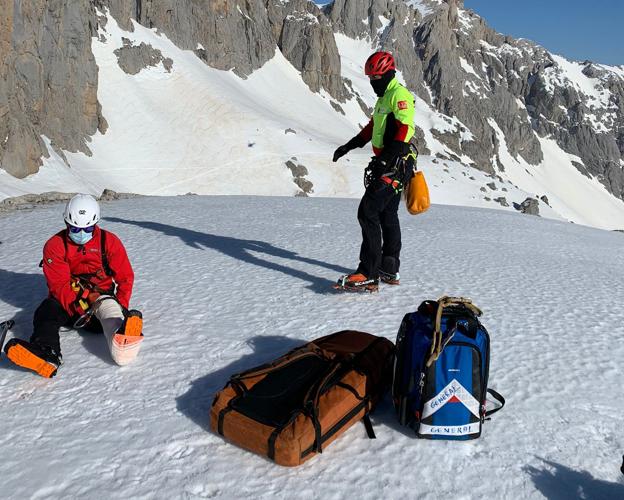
column 389, row 278
column 357, row 282
column 43, row 360
column 133, row 323
column 126, row 342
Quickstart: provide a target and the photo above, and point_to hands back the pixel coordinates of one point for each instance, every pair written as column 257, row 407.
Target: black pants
column 48, row 320
column 381, row 232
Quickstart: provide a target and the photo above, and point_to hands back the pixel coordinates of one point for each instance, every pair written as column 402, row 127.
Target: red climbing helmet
column 379, row 63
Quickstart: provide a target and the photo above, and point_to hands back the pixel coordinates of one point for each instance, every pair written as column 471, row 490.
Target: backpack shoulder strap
column 105, row 264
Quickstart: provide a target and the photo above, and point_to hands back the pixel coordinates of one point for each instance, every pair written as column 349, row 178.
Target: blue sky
column 576, row 29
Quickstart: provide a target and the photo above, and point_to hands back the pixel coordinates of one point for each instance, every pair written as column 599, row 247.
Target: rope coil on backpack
column 436, row 343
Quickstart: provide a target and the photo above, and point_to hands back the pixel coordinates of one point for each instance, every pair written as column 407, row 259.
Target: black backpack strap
column 107, row 270
column 500, row 399
column 369, row 427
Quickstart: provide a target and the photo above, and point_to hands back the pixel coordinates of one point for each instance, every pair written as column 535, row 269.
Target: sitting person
column 90, row 280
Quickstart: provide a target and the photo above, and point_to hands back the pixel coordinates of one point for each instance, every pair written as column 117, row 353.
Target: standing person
column 390, row 130
column 89, row 279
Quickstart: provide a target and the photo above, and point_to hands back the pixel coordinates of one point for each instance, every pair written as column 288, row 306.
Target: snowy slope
column 227, row 283
column 201, row 130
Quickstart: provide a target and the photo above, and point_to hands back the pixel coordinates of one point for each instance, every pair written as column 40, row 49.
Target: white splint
column 123, row 348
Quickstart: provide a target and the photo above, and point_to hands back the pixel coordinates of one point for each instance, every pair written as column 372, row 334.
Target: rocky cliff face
column 242, row 36
column 492, row 88
column 306, row 38
column 48, row 81
column 452, row 60
column 48, row 76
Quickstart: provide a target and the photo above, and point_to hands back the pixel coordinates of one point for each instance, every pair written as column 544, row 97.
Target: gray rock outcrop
column 299, row 172
column 236, row 35
column 529, row 206
column 306, row 38
column 133, row 58
column 48, row 81
column 29, row 201
column 243, row 36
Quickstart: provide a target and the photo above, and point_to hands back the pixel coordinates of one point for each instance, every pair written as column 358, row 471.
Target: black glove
column 356, row 142
column 340, row 152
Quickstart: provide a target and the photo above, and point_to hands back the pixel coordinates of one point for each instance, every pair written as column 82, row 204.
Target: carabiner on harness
column 82, row 321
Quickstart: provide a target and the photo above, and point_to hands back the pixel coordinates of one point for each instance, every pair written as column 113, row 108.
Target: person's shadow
column 244, row 250
column 558, row 482
column 26, row 291
column 196, row 402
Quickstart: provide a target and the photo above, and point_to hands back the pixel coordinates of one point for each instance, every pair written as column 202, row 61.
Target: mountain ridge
column 481, row 86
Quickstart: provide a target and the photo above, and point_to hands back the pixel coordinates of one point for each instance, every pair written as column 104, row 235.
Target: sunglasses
column 74, row 229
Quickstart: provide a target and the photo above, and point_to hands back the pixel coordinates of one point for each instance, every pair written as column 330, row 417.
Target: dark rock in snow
column 133, row 58
column 502, row 201
column 529, row 206
column 297, row 170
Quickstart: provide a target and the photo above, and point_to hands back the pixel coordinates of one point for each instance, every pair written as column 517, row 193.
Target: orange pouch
column 417, row 194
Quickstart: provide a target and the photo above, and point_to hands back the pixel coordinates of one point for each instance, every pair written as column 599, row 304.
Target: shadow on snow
column 244, row 250
column 23, row 291
column 558, row 482
column 26, row 291
column 196, row 402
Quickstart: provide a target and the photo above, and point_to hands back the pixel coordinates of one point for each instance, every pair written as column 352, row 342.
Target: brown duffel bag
column 290, row 409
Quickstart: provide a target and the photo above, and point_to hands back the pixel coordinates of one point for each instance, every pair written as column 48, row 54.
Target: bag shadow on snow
column 244, row 250
column 558, row 482
column 197, row 401
column 385, row 415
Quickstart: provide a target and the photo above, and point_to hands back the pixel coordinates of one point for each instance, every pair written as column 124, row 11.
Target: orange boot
column 357, row 282
column 42, row 360
column 126, row 342
column 133, row 323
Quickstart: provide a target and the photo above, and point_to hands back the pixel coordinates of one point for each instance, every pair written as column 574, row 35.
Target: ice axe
column 5, row 326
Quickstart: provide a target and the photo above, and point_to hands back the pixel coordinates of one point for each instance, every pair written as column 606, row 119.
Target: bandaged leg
column 123, row 348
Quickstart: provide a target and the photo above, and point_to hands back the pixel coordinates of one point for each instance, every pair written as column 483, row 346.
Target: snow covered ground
column 227, row 283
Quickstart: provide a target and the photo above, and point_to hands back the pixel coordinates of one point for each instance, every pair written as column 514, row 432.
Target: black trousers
column 48, row 320
column 381, row 231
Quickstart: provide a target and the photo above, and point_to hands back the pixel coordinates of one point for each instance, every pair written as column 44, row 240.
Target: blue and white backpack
column 441, row 370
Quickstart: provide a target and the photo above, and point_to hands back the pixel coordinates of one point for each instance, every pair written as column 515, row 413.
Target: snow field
column 226, row 283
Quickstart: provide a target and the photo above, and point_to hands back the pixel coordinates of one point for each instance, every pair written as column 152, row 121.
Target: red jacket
column 63, row 258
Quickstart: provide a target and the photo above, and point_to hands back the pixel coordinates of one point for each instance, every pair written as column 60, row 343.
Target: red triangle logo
column 454, row 400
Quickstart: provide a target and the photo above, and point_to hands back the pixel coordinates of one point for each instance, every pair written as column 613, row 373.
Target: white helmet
column 82, row 210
